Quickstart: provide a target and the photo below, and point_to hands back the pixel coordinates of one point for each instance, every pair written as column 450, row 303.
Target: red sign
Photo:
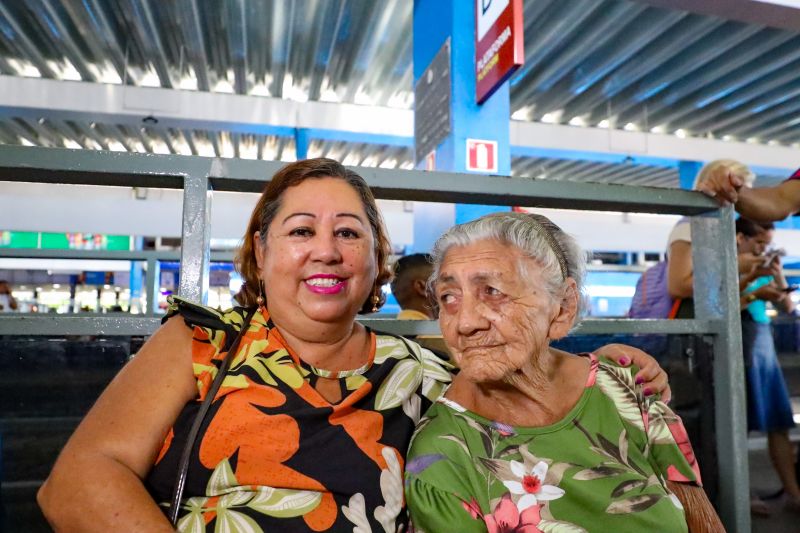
column 499, row 48
column 481, row 155
column 430, row 161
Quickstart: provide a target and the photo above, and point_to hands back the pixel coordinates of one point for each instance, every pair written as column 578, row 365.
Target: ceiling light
column 223, row 86
column 603, row 123
column 577, row 121
column 69, row 143
column 658, row 129
column 520, row 114
column 630, row 126
column 150, row 79
column 549, row 118
column 681, row 133
column 260, row 89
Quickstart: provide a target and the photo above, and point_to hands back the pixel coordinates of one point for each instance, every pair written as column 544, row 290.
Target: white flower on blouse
column 530, row 485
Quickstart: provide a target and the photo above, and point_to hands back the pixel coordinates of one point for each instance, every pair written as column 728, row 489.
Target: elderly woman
column 298, row 421
column 528, row 438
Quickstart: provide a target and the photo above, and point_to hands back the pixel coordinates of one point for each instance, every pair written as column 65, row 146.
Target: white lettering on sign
column 488, row 11
column 481, row 155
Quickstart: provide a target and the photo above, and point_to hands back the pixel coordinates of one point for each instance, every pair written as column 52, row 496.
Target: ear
column 258, row 248
column 420, row 288
column 567, row 312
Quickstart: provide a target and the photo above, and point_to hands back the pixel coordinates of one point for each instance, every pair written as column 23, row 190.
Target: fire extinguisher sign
column 481, row 155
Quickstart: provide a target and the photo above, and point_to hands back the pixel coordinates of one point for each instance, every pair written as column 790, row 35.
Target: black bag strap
column 180, row 481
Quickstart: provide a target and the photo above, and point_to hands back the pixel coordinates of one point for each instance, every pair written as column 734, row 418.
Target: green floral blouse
column 601, row 468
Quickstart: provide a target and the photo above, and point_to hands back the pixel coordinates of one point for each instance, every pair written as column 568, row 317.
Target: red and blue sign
column 499, row 46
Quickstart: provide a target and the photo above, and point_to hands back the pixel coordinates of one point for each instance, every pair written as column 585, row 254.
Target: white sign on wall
column 488, row 11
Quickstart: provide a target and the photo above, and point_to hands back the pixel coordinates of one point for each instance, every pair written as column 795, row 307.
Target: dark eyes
column 345, row 233
column 301, row 232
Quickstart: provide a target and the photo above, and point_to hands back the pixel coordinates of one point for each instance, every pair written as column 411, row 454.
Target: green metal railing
column 716, row 294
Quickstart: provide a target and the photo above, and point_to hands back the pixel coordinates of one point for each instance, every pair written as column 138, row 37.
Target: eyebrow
column 350, row 215
column 480, row 277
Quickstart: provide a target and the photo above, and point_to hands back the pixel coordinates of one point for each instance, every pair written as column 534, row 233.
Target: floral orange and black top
column 273, row 454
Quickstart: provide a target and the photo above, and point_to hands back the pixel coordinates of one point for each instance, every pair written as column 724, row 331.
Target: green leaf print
column 459, row 441
column 556, row 526
column 256, row 347
column 192, row 522
column 354, row 382
column 235, row 522
column 634, row 504
column 386, row 347
column 627, row 486
column 658, row 425
column 433, row 368
column 401, row 383
column 222, row 479
column 616, row 383
column 599, row 472
column 285, row 503
column 486, row 439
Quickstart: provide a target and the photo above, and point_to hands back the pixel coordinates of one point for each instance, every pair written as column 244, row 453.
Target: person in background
column 764, row 204
column 7, row 301
column 311, row 425
column 409, row 286
column 529, row 438
column 768, row 407
column 680, row 278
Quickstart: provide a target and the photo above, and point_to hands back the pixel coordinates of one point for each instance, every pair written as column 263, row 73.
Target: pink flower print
column 530, row 486
column 472, row 508
column 506, row 518
column 682, row 440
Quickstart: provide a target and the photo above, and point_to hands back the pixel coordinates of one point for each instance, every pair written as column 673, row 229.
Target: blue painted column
column 434, row 22
column 301, row 143
column 687, row 172
column 137, row 279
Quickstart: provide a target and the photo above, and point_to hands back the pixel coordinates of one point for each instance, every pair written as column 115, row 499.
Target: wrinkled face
column 494, row 312
column 318, row 262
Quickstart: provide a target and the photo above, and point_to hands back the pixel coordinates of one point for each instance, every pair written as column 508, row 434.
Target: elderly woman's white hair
column 536, row 236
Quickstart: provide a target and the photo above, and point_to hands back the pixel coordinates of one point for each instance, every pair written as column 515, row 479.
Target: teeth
column 323, row 282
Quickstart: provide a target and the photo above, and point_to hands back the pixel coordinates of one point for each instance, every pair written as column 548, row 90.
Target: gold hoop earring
column 260, row 298
column 375, row 300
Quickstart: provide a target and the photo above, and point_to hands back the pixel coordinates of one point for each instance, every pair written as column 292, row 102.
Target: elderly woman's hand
column 651, row 376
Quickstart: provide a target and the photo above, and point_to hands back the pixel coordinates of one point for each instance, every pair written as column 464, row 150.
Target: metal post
column 153, row 282
column 196, row 238
column 716, row 297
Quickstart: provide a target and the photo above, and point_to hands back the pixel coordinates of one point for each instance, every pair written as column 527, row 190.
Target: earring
column 260, row 298
column 375, row 300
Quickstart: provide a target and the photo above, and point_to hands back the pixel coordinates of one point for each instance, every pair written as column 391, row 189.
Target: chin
column 478, row 373
column 330, row 313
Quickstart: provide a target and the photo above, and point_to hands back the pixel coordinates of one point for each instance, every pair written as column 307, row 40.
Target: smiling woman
column 309, row 416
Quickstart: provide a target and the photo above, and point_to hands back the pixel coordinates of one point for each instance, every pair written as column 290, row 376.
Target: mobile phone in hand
column 790, row 288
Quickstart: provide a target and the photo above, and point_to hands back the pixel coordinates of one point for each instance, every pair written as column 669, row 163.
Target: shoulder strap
column 183, row 470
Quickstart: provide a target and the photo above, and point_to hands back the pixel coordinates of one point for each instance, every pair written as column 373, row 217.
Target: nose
column 326, row 248
column 470, row 319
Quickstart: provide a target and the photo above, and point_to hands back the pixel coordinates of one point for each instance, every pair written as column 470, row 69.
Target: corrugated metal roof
column 607, row 63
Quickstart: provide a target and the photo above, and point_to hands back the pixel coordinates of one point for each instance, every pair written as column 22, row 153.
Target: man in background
column 409, row 286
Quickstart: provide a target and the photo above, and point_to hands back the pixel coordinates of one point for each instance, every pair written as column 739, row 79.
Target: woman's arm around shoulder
column 96, row 483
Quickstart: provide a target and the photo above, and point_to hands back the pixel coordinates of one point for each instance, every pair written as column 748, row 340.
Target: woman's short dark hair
column 748, row 228
column 269, row 204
